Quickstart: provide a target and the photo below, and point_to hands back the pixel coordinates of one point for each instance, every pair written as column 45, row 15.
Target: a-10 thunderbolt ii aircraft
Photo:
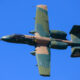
column 44, row 39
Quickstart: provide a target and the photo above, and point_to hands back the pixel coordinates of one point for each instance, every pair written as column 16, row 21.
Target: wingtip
column 42, row 6
column 45, row 75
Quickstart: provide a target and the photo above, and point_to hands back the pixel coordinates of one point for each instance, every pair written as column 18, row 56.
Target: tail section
column 75, row 37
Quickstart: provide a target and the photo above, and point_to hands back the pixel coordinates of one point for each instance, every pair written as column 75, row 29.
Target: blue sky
column 16, row 16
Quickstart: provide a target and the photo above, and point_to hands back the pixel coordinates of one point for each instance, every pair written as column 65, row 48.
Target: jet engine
column 58, row 34
column 58, row 45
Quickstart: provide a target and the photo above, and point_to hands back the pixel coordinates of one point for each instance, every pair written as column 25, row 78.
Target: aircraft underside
column 44, row 39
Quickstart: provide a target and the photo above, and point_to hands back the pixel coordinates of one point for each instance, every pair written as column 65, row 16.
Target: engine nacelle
column 58, row 45
column 58, row 34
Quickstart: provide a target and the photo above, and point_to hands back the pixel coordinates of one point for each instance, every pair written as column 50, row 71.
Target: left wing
column 41, row 23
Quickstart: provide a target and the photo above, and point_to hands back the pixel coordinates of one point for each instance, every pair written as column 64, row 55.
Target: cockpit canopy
column 16, row 35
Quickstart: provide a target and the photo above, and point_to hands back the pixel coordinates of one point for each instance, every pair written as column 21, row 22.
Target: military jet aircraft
column 44, row 39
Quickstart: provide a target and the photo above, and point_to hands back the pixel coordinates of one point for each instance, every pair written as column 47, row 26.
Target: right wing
column 43, row 59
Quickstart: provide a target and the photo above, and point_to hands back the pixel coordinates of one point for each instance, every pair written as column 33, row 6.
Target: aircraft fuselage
column 33, row 40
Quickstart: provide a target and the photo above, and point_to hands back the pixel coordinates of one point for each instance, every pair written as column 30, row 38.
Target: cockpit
column 16, row 35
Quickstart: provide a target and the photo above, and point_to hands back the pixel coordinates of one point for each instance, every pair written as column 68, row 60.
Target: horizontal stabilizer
column 75, row 52
column 75, row 37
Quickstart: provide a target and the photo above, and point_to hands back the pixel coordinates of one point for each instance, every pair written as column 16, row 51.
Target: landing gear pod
column 33, row 53
column 32, row 32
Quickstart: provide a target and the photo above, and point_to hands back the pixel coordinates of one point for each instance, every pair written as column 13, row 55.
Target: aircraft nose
column 5, row 38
